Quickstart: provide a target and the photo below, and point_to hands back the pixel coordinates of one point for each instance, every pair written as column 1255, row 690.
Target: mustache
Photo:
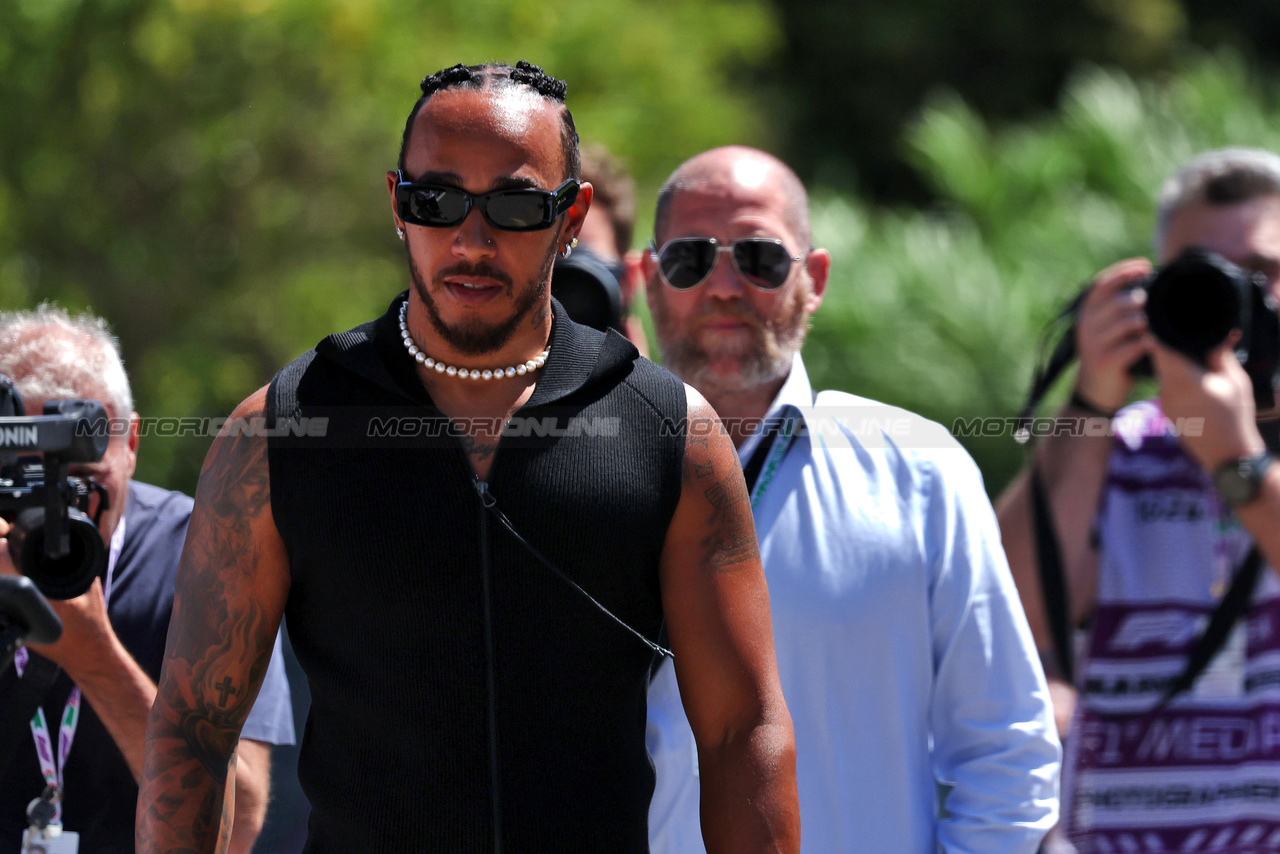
column 480, row 271
column 727, row 311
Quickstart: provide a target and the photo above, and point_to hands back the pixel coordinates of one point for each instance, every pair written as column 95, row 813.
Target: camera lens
column 58, row 578
column 1195, row 301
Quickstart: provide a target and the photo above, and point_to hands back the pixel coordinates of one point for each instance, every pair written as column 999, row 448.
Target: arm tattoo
column 220, row 641
column 729, row 536
column 731, row 539
column 224, row 630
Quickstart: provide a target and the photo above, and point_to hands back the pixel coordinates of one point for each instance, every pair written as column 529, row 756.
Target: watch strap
column 1239, row 481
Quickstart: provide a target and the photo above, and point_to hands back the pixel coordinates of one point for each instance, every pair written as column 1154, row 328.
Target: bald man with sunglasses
column 904, row 654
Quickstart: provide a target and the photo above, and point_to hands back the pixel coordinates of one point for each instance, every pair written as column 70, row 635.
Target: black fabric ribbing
column 386, row 609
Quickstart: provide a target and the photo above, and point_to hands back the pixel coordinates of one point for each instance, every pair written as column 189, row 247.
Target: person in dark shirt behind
column 113, row 639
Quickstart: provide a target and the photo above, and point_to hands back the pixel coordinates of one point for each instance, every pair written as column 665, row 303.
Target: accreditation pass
column 52, row 840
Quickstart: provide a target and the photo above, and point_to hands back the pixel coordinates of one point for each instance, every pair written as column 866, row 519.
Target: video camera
column 52, row 540
column 590, row 289
column 1193, row 304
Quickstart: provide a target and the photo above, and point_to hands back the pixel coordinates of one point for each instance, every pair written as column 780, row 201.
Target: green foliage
column 208, row 174
column 851, row 77
column 849, row 83
column 941, row 311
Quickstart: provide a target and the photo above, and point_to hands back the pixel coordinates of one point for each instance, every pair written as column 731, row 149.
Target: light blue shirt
column 903, row 651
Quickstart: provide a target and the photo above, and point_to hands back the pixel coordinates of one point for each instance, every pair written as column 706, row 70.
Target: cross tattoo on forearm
column 223, row 689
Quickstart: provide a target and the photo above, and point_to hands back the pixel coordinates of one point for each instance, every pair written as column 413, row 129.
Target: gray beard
column 766, row 359
column 477, row 339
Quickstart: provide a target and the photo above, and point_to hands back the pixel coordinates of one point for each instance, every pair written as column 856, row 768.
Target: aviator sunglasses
column 523, row 209
column 686, row 262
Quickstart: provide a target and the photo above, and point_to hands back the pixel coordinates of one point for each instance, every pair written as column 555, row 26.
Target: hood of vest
column 580, row 356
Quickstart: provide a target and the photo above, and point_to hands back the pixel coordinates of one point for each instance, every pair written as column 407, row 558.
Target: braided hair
column 497, row 76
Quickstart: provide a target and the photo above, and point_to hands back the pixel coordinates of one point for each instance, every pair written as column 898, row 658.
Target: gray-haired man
column 95, row 714
column 1153, row 525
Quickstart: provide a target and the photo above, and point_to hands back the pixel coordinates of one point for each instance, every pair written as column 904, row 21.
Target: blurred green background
column 208, row 174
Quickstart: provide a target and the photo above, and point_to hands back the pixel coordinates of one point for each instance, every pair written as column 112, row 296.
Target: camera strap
column 1053, row 585
column 52, row 762
column 1051, row 363
column 1229, row 610
column 1233, row 605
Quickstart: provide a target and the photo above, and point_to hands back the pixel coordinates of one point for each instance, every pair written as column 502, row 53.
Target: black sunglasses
column 442, row 206
column 686, row 262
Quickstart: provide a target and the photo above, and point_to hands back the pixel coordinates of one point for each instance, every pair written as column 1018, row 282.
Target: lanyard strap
column 780, row 434
column 49, row 769
column 44, row 742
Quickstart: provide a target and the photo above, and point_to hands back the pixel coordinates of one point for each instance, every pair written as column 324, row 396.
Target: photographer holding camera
column 1167, row 536
column 88, row 742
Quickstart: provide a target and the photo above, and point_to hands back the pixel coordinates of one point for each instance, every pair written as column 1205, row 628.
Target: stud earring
column 399, row 232
column 569, row 247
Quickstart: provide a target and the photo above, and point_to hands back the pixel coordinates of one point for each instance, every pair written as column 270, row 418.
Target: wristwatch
column 1238, row 481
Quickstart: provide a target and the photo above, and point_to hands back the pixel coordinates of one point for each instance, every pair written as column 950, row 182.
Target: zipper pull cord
column 491, row 504
column 494, row 777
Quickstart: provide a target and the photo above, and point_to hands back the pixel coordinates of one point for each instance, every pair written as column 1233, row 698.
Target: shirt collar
column 796, row 391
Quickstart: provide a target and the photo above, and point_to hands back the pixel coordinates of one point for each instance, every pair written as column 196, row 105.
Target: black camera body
column 590, row 289
column 52, row 540
column 1197, row 299
column 1193, row 304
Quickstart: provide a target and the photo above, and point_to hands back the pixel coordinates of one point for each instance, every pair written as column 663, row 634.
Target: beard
column 474, row 337
column 729, row 366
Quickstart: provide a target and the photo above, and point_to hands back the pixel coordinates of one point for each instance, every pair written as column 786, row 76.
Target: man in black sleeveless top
column 478, row 516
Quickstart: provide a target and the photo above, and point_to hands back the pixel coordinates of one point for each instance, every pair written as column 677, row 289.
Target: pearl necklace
column 449, row 370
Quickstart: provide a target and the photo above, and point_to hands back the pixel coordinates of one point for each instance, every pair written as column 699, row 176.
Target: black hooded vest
column 462, row 693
